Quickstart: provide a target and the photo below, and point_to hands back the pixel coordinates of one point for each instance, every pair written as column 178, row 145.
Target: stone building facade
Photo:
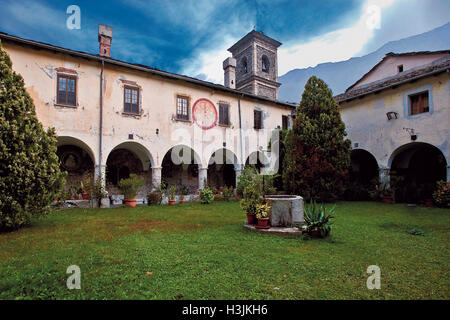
column 257, row 65
column 115, row 118
column 397, row 117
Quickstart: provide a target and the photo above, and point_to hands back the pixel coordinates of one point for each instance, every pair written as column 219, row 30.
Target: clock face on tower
column 204, row 114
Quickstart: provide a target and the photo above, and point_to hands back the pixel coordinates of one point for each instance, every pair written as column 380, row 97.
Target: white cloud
column 334, row 46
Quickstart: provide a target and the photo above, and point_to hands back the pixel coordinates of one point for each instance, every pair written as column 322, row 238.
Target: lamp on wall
column 391, row 115
column 411, row 133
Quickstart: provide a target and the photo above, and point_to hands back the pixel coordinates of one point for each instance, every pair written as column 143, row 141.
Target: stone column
column 156, row 177
column 384, row 176
column 102, row 175
column 238, row 172
column 202, row 177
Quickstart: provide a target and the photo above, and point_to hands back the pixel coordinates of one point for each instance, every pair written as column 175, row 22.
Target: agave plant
column 318, row 220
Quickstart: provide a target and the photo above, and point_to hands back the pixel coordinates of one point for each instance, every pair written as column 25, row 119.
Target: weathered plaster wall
column 80, row 125
column 367, row 124
column 389, row 66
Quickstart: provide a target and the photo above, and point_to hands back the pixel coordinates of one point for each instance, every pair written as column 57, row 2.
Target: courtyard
column 195, row 251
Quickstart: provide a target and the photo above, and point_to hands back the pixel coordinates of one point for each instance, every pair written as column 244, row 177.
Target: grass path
column 203, row 252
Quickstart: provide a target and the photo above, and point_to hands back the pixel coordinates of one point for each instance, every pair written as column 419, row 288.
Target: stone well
column 287, row 210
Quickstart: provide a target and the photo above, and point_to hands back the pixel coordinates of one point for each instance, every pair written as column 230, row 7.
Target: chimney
column 105, row 38
column 229, row 67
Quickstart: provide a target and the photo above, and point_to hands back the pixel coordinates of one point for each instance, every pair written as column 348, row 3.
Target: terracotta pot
column 314, row 233
column 84, row 195
column 429, row 202
column 171, row 202
column 251, row 219
column 386, row 199
column 263, row 223
column 130, row 202
column 182, row 201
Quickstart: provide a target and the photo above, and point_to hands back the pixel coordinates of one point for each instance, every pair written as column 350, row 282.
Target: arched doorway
column 415, row 169
column 180, row 167
column 125, row 159
column 77, row 159
column 221, row 169
column 258, row 160
column 363, row 175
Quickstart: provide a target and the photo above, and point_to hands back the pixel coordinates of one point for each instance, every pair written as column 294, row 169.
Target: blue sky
column 191, row 37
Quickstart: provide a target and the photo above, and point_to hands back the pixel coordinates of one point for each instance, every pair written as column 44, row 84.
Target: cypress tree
column 318, row 155
column 30, row 176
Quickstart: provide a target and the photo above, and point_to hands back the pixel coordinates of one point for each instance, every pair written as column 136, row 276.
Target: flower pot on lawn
column 263, row 223
column 130, row 202
column 84, row 195
column 314, row 233
column 251, row 219
column 181, row 201
column 171, row 202
column 429, row 202
column 386, row 199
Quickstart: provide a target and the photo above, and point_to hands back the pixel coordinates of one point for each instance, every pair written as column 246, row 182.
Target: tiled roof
column 436, row 67
column 140, row 67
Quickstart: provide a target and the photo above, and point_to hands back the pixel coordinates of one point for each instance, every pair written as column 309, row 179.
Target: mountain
column 341, row 75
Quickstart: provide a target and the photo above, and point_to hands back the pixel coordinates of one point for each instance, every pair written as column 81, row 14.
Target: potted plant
column 317, row 220
column 251, row 199
column 262, row 214
column 83, row 191
column 172, row 193
column 386, row 193
column 184, row 192
column 130, row 188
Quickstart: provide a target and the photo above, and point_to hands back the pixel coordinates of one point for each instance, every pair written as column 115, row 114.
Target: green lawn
column 204, row 252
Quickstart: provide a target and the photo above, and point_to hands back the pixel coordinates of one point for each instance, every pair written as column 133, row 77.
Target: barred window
column 131, row 100
column 284, row 122
column 182, row 108
column 66, row 90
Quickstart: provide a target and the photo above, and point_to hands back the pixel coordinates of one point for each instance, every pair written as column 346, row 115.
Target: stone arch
column 124, row 159
column 139, row 150
column 78, row 160
column 414, row 170
column 221, row 168
column 364, row 166
column 363, row 176
column 257, row 159
column 180, row 167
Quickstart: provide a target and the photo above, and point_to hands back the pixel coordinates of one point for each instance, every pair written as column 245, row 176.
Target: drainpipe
column 101, row 124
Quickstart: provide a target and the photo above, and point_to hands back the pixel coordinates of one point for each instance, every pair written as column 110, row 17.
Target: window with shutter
column 257, row 116
column 284, row 122
column 418, row 103
column 224, row 112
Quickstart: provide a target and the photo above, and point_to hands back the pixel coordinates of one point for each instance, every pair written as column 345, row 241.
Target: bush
column 442, row 194
column 130, row 186
column 206, row 195
column 154, row 198
column 318, row 220
column 30, row 175
column 250, row 176
column 227, row 193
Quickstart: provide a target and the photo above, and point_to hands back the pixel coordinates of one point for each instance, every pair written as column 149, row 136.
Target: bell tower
column 257, row 65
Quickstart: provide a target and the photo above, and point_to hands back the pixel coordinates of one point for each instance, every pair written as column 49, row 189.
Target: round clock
column 204, row 114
